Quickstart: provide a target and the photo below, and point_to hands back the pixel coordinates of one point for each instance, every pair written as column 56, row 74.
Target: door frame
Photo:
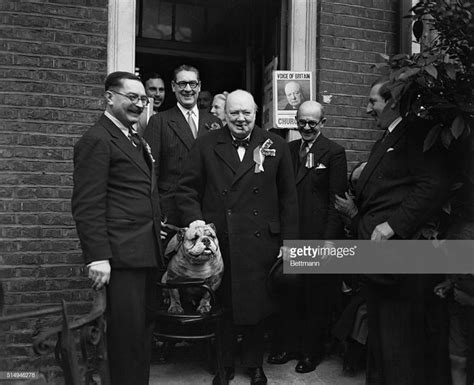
column 121, row 36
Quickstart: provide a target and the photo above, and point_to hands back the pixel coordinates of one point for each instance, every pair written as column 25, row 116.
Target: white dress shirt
column 194, row 114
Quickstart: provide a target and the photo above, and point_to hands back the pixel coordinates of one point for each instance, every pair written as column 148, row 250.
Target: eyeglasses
column 134, row 98
column 311, row 123
column 182, row 85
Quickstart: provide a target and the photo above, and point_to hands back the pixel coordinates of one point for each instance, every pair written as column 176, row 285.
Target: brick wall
column 352, row 34
column 52, row 64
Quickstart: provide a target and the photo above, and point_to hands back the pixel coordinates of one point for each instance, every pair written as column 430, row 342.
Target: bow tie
column 240, row 142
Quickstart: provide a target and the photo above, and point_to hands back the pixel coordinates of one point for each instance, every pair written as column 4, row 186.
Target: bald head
column 311, row 107
column 240, row 110
column 241, row 96
column 310, row 118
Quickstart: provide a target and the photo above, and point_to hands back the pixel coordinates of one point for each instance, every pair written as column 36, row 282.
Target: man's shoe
column 306, row 365
column 280, row 358
column 229, row 375
column 257, row 376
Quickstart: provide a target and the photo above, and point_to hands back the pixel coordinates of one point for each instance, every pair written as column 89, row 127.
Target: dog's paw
column 175, row 309
column 204, row 307
column 165, row 297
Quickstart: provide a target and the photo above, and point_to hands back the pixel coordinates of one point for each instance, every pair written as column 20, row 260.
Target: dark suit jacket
column 170, row 138
column 253, row 212
column 317, row 187
column 115, row 200
column 405, row 187
column 401, row 184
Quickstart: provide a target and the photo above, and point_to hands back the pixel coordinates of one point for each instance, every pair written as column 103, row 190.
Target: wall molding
column 302, row 27
column 121, row 36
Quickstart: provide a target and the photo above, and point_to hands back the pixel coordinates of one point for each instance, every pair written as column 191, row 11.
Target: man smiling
column 399, row 195
column 253, row 205
column 155, row 88
column 116, row 209
column 320, row 169
column 171, row 134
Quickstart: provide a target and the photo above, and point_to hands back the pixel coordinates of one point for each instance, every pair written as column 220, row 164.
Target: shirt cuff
column 95, row 263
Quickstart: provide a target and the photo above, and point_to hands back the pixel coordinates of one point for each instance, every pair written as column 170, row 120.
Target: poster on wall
column 290, row 89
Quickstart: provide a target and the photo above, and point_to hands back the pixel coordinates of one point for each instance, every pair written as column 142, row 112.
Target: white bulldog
column 195, row 254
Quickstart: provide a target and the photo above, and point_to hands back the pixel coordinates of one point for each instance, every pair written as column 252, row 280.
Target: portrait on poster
column 290, row 89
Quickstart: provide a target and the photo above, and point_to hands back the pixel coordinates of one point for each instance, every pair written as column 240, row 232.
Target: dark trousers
column 470, row 342
column 304, row 316
column 129, row 327
column 252, row 346
column 407, row 341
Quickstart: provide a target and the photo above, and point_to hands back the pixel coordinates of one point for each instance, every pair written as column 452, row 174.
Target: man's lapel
column 226, row 151
column 294, row 152
column 318, row 149
column 256, row 139
column 205, row 122
column 378, row 153
column 181, row 127
column 121, row 141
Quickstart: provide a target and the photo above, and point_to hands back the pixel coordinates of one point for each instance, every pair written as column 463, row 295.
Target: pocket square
column 390, row 149
column 320, row 166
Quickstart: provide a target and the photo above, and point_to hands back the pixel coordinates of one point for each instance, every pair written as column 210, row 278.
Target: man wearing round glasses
column 171, row 134
column 321, row 173
column 116, row 208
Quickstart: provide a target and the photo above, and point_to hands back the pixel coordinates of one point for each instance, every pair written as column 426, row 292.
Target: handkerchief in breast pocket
column 320, row 166
column 390, row 149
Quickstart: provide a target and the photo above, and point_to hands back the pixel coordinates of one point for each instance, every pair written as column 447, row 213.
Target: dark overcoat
column 170, row 138
column 115, row 199
column 253, row 212
column 317, row 187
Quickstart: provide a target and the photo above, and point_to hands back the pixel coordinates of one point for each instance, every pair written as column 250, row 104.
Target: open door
column 229, row 41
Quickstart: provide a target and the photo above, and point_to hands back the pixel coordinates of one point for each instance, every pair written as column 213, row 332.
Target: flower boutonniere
column 148, row 150
column 212, row 126
column 260, row 153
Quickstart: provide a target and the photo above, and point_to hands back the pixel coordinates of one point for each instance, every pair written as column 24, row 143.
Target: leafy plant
column 437, row 83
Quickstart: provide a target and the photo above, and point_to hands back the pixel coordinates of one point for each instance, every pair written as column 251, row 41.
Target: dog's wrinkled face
column 200, row 243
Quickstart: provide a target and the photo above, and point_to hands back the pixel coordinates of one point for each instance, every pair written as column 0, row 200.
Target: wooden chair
column 192, row 325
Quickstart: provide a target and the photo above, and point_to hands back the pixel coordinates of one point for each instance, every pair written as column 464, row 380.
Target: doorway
column 229, row 41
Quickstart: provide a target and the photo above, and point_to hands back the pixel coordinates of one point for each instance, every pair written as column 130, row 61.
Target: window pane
column 157, row 19
column 190, row 22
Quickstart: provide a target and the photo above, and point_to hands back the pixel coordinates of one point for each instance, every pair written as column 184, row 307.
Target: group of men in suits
column 258, row 191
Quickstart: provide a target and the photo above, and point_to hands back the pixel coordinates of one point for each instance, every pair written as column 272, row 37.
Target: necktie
column 240, row 142
column 191, row 123
column 134, row 138
column 303, row 150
